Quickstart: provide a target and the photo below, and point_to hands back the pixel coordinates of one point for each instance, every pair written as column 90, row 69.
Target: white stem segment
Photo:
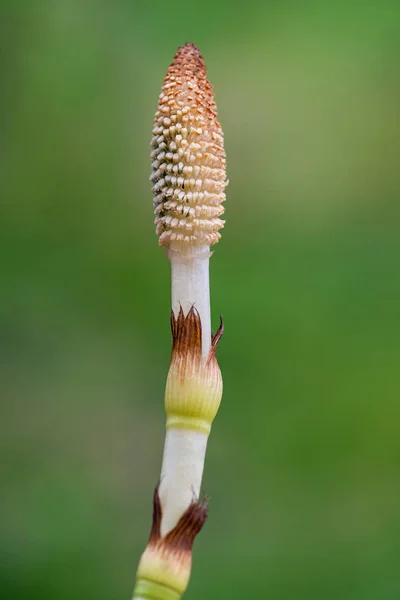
column 181, row 473
column 191, row 287
column 185, row 449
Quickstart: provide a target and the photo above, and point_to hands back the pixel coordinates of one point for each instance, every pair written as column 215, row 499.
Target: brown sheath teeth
column 180, row 539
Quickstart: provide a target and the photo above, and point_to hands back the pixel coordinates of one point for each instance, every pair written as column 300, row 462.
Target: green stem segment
column 150, row 590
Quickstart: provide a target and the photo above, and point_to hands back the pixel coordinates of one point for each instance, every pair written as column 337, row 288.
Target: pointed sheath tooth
column 188, row 140
column 164, row 569
column 194, row 386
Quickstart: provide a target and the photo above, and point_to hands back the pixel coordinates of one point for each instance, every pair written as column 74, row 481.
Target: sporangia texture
column 189, row 167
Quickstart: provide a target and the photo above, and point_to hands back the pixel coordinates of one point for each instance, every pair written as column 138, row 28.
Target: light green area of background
column 303, row 461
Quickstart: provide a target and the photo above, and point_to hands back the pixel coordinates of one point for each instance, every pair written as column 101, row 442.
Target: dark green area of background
column 303, row 461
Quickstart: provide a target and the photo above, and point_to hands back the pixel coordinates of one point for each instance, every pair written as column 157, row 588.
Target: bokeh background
column 303, row 461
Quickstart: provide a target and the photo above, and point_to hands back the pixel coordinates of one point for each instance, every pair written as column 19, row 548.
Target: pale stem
column 181, row 473
column 190, row 286
column 185, row 450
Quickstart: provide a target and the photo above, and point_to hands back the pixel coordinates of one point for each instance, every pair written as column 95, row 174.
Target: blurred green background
column 303, row 461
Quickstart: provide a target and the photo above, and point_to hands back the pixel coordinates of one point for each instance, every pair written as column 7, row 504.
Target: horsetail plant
column 189, row 180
